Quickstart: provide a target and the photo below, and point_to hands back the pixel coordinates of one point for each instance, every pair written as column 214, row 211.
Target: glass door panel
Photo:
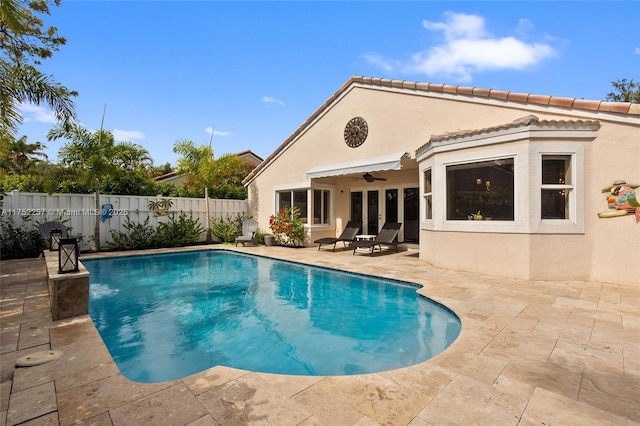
column 372, row 212
column 357, row 207
column 411, row 209
column 391, row 205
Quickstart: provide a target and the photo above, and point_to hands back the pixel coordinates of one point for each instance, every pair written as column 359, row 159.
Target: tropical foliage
column 178, row 231
column 227, row 228
column 18, row 155
column 25, row 42
column 287, row 227
column 625, row 91
column 19, row 241
column 218, row 178
column 96, row 162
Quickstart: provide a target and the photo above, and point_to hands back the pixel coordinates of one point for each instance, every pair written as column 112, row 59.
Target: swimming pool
column 167, row 316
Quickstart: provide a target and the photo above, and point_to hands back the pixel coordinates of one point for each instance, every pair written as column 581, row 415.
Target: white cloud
column 525, row 27
column 127, row 135
column 216, row 132
column 269, row 100
column 467, row 48
column 378, row 60
column 31, row 112
column 637, row 51
column 459, row 26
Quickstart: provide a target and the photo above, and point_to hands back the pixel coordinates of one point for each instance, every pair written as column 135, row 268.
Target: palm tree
column 19, row 155
column 198, row 163
column 131, row 156
column 99, row 157
column 24, row 43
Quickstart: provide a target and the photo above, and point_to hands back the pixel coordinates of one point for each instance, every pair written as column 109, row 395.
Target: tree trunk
column 208, row 226
column 96, row 229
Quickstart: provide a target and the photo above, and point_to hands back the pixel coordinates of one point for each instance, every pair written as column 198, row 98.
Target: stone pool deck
column 530, row 353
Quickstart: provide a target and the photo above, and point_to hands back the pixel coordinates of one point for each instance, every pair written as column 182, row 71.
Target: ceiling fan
column 370, row 178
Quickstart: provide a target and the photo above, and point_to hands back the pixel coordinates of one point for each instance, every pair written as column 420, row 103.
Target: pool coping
column 528, row 352
column 409, row 285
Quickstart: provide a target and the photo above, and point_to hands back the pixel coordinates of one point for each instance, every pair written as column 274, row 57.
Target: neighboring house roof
column 472, row 93
column 250, row 157
column 166, row 176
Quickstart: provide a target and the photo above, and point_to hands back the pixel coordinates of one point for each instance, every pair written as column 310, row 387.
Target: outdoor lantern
column 68, row 255
column 54, row 239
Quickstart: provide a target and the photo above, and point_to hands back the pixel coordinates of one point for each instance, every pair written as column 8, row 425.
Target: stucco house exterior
column 487, row 181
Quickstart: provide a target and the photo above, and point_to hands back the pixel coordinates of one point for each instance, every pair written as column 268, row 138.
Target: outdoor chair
column 348, row 235
column 249, row 229
column 387, row 236
column 45, row 231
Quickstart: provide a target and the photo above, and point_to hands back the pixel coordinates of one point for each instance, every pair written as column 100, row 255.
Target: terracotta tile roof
column 249, row 152
column 589, row 105
column 471, row 92
column 520, row 122
column 165, row 176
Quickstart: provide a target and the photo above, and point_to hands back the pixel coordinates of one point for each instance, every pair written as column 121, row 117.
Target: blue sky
column 254, row 71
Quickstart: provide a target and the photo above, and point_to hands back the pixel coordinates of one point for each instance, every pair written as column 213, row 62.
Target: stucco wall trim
column 510, row 132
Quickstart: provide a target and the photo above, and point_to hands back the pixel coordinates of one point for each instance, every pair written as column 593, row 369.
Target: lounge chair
column 387, row 236
column 249, row 229
column 348, row 235
column 45, row 231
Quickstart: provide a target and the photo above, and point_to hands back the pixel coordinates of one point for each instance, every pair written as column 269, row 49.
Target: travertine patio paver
column 31, row 403
column 529, row 353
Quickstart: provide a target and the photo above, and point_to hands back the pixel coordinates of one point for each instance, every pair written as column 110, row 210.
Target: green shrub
column 18, row 242
column 177, row 232
column 183, row 231
column 137, row 236
column 227, row 228
column 260, row 237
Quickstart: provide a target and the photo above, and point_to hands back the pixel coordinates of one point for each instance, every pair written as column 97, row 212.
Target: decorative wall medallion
column 355, row 132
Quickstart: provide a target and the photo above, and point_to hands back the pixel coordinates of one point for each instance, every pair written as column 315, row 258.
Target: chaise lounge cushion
column 349, row 234
column 387, row 236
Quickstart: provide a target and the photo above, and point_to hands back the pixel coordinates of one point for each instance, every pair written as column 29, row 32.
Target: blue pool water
column 164, row 317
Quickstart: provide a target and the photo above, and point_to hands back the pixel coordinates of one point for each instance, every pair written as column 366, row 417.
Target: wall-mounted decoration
column 621, row 197
column 161, row 207
column 106, row 212
column 355, row 132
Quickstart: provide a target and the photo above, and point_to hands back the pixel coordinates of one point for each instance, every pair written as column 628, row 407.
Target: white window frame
column 427, row 196
column 309, row 189
column 520, row 223
column 473, row 163
column 329, row 219
column 574, row 223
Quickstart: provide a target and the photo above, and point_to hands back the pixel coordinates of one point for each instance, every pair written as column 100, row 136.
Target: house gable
column 533, row 102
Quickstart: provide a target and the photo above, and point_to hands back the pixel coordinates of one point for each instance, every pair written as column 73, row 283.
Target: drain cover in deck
column 38, row 358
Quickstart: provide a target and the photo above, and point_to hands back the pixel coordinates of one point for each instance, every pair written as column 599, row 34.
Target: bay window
column 481, row 190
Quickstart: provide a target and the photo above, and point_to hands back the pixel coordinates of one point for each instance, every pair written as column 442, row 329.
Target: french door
column 375, row 206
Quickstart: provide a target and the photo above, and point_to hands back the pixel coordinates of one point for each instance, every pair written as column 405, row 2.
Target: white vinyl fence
column 78, row 211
